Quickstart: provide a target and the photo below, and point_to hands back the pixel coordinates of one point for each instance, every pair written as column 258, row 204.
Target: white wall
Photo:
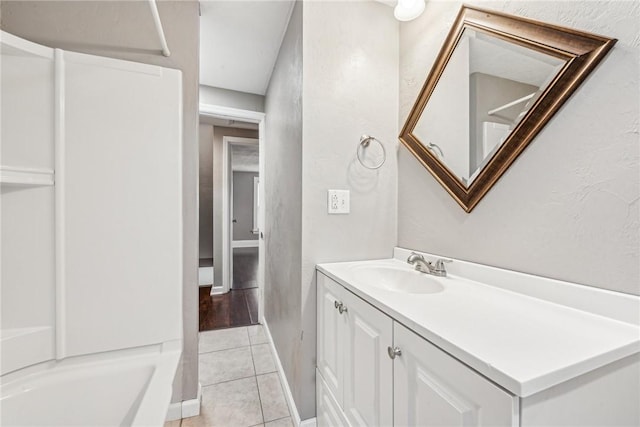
column 125, row 30
column 335, row 79
column 205, row 187
column 282, row 182
column 568, row 208
column 350, row 87
column 231, row 98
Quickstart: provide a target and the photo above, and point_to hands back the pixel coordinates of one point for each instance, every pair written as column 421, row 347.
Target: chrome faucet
column 424, row 266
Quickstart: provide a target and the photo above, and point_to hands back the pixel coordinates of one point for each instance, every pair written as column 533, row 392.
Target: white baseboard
column 186, row 408
column 309, row 422
column 217, row 290
column 174, row 412
column 205, row 276
column 295, row 415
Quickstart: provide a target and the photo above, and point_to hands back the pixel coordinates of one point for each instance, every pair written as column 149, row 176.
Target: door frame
column 227, row 211
column 222, row 112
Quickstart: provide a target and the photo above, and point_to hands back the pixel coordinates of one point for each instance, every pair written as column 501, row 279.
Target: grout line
column 260, row 399
column 255, row 375
column 224, row 349
column 278, row 419
column 228, row 381
column 255, row 372
column 246, row 304
column 283, row 397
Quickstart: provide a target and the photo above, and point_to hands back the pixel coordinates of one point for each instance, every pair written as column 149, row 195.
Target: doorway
column 231, row 238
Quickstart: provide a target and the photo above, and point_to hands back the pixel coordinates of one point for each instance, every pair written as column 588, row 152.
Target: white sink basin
column 398, row 279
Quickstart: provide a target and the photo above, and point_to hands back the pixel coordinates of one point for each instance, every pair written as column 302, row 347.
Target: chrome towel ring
column 371, row 161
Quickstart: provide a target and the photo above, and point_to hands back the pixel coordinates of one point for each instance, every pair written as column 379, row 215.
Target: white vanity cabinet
column 359, row 381
column 486, row 347
column 353, row 338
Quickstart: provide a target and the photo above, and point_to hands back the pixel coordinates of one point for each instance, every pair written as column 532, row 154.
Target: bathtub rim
column 163, row 358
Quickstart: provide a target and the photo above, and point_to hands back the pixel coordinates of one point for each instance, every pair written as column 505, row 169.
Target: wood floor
column 238, row 307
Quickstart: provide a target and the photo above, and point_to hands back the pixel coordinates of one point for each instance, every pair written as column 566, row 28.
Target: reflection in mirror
column 486, row 88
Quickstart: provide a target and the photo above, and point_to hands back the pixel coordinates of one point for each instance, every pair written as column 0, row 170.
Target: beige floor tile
column 229, row 404
column 257, row 334
column 174, row 423
column 222, row 339
column 274, row 405
column 283, row 422
column 225, row 365
column 263, row 359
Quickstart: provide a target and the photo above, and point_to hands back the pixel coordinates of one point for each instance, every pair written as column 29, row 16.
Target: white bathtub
column 122, row 388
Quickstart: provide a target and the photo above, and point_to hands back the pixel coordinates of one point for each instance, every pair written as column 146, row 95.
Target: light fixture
column 406, row 10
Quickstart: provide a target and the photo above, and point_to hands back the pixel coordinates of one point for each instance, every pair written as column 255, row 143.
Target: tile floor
column 240, row 384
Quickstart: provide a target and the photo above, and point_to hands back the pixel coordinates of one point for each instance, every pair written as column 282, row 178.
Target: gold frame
column 581, row 51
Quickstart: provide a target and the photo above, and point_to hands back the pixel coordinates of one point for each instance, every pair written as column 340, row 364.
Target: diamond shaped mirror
column 497, row 81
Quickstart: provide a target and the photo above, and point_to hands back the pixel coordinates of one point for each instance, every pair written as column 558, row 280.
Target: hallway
column 239, row 306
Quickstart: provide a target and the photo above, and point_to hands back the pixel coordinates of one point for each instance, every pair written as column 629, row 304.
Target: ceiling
column 496, row 57
column 239, row 42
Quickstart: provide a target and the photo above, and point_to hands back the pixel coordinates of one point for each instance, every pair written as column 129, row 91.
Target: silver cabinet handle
column 394, row 352
column 340, row 306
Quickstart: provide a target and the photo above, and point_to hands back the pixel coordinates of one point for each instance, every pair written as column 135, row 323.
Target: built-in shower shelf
column 19, row 176
column 25, row 346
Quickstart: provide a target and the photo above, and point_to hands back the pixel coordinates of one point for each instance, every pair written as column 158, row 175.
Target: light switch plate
column 338, row 201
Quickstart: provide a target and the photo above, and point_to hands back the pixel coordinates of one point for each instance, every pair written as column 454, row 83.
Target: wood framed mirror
column 496, row 82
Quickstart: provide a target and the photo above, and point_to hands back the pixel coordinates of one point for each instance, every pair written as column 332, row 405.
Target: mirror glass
column 486, row 88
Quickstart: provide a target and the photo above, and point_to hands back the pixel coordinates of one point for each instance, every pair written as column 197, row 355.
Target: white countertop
column 523, row 343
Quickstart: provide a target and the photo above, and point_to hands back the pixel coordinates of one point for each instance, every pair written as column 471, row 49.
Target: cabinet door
column 368, row 371
column 330, row 334
column 431, row 388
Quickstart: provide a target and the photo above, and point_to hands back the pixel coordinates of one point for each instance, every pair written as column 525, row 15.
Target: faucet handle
column 439, row 269
column 413, row 257
column 441, row 261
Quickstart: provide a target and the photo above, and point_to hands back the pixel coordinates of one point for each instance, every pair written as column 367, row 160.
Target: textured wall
column 125, row 30
column 568, row 207
column 350, row 82
column 205, row 184
column 218, row 133
column 283, row 208
column 231, row 98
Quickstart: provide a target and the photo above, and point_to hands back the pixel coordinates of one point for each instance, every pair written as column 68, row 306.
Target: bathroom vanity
column 480, row 347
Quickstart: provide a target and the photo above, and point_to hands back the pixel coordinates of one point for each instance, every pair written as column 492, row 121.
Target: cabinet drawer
column 431, row 388
column 328, row 411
